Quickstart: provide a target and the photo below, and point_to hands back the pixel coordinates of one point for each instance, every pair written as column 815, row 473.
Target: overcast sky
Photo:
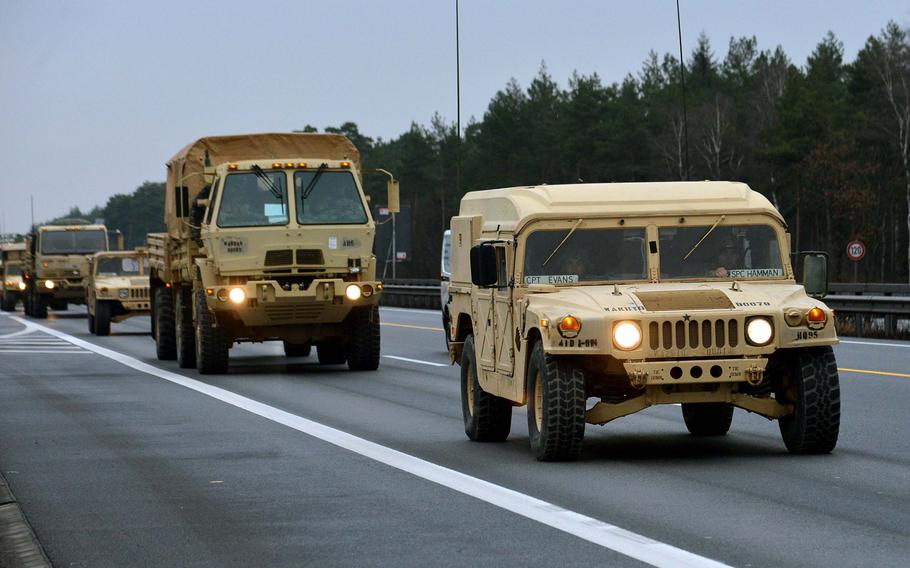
column 97, row 95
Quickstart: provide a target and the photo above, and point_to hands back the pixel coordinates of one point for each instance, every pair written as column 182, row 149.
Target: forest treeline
column 827, row 141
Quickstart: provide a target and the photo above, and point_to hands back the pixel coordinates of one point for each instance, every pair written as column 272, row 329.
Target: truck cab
column 634, row 295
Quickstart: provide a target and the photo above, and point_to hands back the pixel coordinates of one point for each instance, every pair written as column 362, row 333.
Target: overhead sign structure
column 856, row 250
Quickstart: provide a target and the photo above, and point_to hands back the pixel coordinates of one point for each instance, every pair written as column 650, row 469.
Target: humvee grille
column 694, row 334
column 279, row 257
column 305, row 256
column 139, row 293
column 280, row 313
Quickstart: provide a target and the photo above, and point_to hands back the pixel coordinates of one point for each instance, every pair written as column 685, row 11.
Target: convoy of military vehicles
column 585, row 302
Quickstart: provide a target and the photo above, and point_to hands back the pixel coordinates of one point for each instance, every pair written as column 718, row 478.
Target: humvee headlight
column 627, row 335
column 353, row 292
column 367, row 290
column 123, row 293
column 22, row 285
column 49, row 284
column 237, row 295
column 759, row 331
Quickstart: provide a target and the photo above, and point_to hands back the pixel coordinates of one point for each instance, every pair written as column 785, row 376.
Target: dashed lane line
column 397, row 358
column 868, row 372
column 600, row 533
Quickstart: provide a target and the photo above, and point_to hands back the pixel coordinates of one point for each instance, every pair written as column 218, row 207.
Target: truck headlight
column 237, row 295
column 123, row 293
column 627, row 335
column 353, row 292
column 22, row 285
column 759, row 331
column 49, row 284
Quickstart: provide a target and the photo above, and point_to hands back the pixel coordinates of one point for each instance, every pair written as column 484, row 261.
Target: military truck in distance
column 116, row 288
column 56, row 262
column 269, row 237
column 637, row 294
column 12, row 286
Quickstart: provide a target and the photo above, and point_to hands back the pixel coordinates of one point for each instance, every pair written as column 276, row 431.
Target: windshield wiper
column 572, row 230
column 700, row 241
column 268, row 182
column 312, row 185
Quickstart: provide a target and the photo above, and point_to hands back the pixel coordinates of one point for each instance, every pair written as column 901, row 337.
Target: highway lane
column 741, row 500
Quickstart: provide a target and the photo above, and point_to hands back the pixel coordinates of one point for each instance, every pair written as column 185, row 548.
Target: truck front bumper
column 62, row 290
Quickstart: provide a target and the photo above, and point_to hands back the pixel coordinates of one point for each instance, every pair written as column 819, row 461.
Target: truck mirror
column 815, row 274
column 483, row 265
column 393, row 202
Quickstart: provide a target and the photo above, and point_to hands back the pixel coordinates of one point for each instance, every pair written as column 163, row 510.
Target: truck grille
column 279, row 257
column 305, row 256
column 280, row 313
column 694, row 334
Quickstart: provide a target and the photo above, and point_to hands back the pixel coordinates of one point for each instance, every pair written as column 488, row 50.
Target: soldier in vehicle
column 728, row 258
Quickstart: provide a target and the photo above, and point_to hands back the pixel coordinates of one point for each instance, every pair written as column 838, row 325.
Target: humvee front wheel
column 813, row 388
column 556, row 406
column 330, row 353
column 212, row 346
column 362, row 350
column 165, row 340
column 102, row 318
column 708, row 419
column 9, row 303
column 487, row 418
column 297, row 349
column 185, row 332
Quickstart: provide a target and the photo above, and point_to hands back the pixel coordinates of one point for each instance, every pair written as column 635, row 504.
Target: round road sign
column 856, row 250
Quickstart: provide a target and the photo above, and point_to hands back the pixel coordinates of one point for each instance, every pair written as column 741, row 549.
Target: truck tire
column 297, row 349
column 91, row 323
column 708, row 419
column 9, row 303
column 362, row 350
column 165, row 334
column 212, row 347
column 39, row 307
column 487, row 418
column 27, row 303
column 813, row 389
column 330, row 353
column 102, row 319
column 185, row 332
column 445, row 326
column 556, row 406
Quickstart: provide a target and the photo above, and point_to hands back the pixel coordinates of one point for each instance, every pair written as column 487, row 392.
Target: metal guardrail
column 411, row 293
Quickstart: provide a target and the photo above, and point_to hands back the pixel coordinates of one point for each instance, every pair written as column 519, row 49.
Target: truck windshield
column 13, row 270
column 333, row 200
column 118, row 266
column 73, row 242
column 729, row 251
column 250, row 201
column 591, row 255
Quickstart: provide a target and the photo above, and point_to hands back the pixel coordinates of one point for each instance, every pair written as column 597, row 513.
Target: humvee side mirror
column 483, row 265
column 203, row 202
column 393, row 201
column 815, row 274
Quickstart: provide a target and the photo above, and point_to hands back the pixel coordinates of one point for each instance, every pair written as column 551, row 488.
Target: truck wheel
column 102, row 318
column 330, row 353
column 445, row 326
column 487, row 418
column 165, row 334
column 185, row 333
column 556, row 406
column 212, row 346
column 813, row 388
column 297, row 349
column 708, row 419
column 9, row 303
column 363, row 346
column 39, row 307
column 27, row 303
column 91, row 323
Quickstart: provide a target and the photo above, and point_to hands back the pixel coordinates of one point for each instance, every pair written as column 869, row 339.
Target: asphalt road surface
column 118, row 459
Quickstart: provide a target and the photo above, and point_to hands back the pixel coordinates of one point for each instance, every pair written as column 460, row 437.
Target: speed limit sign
column 856, row 250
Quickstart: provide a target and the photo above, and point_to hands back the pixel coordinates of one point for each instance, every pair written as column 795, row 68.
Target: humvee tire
column 330, row 353
column 362, row 350
column 813, row 388
column 102, row 318
column 708, row 419
column 185, row 333
column 165, row 334
column 212, row 347
column 297, row 349
column 487, row 418
column 8, row 304
column 556, row 406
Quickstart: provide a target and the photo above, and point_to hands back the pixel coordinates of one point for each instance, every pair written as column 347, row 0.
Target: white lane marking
column 397, row 358
column 437, row 313
column 45, row 351
column 603, row 534
column 878, row 343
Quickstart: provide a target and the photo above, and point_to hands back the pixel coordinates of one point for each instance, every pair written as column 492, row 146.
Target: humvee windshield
column 248, row 201
column 73, row 242
column 333, row 200
column 738, row 251
column 118, row 266
column 588, row 255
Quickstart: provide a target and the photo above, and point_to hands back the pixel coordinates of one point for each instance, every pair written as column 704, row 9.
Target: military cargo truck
column 633, row 295
column 56, row 262
column 269, row 237
column 116, row 288
column 12, row 286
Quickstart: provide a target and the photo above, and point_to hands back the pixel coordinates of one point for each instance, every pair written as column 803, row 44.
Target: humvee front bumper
column 644, row 373
column 267, row 303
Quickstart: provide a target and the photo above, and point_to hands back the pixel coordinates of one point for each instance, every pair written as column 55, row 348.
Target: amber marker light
column 569, row 326
column 345, row 164
column 817, row 315
column 276, row 164
column 367, row 290
column 232, row 166
column 289, row 164
column 301, row 165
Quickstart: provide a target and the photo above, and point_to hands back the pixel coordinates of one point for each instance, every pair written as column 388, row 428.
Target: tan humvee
column 12, row 286
column 56, row 262
column 116, row 288
column 269, row 237
column 634, row 295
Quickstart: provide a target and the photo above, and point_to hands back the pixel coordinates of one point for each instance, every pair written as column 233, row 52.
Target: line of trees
column 828, row 142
